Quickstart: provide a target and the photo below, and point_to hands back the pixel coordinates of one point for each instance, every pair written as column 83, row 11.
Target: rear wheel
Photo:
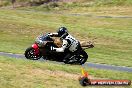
column 30, row 54
column 76, row 59
column 82, row 57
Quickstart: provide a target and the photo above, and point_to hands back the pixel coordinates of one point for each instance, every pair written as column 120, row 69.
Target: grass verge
column 26, row 73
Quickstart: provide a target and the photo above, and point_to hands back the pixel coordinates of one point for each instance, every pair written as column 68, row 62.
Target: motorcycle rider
column 70, row 44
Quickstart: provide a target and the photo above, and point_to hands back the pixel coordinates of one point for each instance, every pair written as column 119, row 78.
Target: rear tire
column 80, row 59
column 29, row 54
column 83, row 57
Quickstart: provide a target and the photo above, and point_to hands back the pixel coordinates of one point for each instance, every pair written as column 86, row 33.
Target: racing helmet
column 62, row 31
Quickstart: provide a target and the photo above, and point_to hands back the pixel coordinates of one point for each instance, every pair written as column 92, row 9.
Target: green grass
column 34, row 74
column 112, row 2
column 19, row 28
column 30, row 74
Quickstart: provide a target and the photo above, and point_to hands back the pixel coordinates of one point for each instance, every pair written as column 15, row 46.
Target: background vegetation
column 71, row 3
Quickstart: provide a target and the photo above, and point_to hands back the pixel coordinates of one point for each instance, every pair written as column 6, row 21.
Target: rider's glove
column 40, row 43
column 52, row 48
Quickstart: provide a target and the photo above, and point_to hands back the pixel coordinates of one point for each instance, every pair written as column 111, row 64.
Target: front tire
column 29, row 54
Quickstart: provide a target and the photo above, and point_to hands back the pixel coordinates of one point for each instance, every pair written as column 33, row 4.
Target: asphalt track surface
column 87, row 64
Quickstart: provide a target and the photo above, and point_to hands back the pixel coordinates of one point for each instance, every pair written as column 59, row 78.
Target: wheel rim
column 81, row 59
column 31, row 55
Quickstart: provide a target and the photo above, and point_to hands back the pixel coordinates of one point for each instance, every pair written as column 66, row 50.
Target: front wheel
column 30, row 54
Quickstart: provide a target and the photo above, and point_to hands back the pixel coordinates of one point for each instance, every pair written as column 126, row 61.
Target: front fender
column 36, row 48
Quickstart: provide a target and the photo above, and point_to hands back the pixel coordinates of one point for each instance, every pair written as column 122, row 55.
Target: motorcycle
column 41, row 49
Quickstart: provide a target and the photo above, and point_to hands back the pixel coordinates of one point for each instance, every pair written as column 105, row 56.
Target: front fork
column 36, row 49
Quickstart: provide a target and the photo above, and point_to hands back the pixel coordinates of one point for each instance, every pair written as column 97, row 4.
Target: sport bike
column 41, row 49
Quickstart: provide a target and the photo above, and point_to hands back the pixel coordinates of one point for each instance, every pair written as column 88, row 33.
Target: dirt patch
column 57, row 74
